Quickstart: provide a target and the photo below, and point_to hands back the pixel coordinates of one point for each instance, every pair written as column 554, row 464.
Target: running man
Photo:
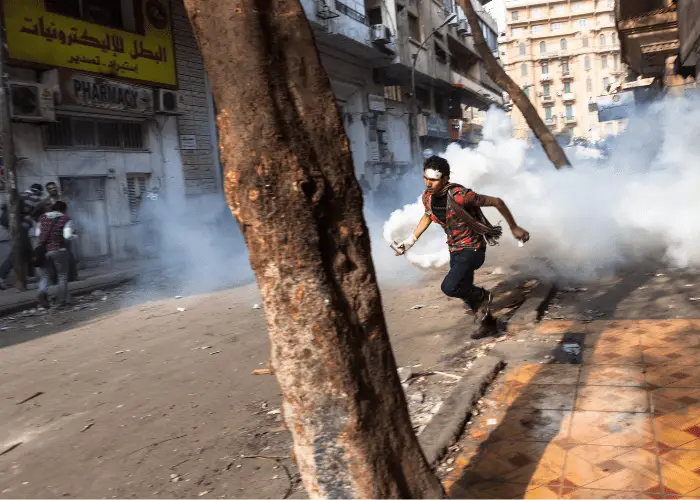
column 458, row 210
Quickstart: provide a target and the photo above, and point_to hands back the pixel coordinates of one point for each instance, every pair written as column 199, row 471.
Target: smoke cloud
column 642, row 200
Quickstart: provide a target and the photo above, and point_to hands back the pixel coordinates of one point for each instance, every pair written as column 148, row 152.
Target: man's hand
column 405, row 245
column 520, row 234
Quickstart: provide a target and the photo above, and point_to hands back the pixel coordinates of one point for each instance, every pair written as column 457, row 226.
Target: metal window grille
column 136, row 185
column 87, row 133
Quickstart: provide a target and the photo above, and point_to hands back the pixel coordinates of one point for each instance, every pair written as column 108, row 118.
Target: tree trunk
column 554, row 151
column 289, row 180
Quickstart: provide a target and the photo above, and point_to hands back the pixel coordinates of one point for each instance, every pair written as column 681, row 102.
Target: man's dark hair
column 59, row 206
column 37, row 187
column 439, row 164
column 52, row 183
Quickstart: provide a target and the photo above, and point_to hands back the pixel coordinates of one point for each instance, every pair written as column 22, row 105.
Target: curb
column 447, row 425
column 76, row 288
column 532, row 310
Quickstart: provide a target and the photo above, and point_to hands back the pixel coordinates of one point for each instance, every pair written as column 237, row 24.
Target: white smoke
column 642, row 199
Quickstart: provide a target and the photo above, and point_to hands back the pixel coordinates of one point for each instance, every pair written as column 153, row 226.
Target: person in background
column 29, row 200
column 54, row 195
column 54, row 230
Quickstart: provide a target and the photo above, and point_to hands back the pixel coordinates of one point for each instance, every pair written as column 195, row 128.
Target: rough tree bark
column 554, row 151
column 290, row 182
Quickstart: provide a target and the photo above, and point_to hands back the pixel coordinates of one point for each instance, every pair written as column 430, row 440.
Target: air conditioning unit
column 169, row 102
column 31, row 102
column 463, row 28
column 380, row 34
column 454, row 21
column 558, row 93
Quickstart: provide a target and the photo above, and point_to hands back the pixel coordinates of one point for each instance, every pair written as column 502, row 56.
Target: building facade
column 109, row 100
column 689, row 36
column 564, row 54
column 367, row 48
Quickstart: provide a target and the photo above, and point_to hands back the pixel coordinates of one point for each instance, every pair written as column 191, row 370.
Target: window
column 609, row 128
column 414, row 27
column 440, row 53
column 103, row 12
column 615, row 40
column 567, row 87
column 569, row 111
column 616, row 62
column 582, row 22
column 602, row 40
column 559, row 9
column 543, row 48
column 522, row 49
column 604, row 62
column 374, row 16
column 611, row 4
column 526, row 91
column 94, row 133
column 589, row 85
column 393, row 93
column 515, row 15
column 606, row 83
column 587, row 62
column 537, row 28
column 565, row 66
column 548, row 113
column 584, row 40
column 536, row 12
column 517, row 32
column 562, row 44
column 523, row 69
column 545, row 68
column 556, row 26
column 611, row 18
column 136, row 185
column 546, row 89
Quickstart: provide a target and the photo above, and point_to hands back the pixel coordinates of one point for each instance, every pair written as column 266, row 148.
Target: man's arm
column 500, row 205
column 411, row 240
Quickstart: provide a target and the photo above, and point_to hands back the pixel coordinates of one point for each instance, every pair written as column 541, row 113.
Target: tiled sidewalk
column 624, row 424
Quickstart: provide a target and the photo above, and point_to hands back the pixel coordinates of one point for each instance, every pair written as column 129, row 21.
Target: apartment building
column 564, row 54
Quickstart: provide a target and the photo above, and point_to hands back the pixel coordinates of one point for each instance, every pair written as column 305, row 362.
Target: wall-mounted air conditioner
column 31, row 102
column 463, row 28
column 325, row 10
column 169, row 102
column 380, row 34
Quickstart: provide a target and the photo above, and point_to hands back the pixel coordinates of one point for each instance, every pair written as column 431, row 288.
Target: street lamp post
column 413, row 122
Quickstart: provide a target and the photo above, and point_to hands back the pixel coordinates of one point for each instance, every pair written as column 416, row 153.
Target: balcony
column 542, row 56
column 570, row 120
column 550, row 122
column 474, row 86
column 568, row 97
column 547, row 99
column 567, row 75
column 546, row 77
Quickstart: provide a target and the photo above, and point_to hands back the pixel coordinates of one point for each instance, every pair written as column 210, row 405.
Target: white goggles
column 432, row 174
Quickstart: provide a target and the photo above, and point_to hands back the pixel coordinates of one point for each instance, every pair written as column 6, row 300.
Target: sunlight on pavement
column 623, row 424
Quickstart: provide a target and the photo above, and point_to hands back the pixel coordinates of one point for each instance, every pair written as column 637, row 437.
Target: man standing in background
column 54, row 231
column 54, row 195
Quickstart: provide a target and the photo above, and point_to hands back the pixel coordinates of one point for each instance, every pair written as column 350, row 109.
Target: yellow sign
column 47, row 38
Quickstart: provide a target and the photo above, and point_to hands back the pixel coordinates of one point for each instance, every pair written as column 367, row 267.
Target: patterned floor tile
column 517, row 461
column 678, row 401
column 611, row 428
column 547, row 374
column 544, row 397
column 613, row 375
column 531, row 424
column 560, row 326
column 626, row 480
column 588, row 494
column 583, row 470
column 607, row 353
column 487, row 489
column 618, row 327
column 598, row 454
column 672, row 437
column 680, row 470
column 547, row 469
column 674, row 376
column 618, row 399
column 542, row 492
column 671, row 356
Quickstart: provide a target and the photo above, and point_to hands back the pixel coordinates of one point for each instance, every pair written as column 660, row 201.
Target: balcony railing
column 550, row 122
column 546, row 77
column 547, row 99
column 567, row 75
column 570, row 119
column 568, row 97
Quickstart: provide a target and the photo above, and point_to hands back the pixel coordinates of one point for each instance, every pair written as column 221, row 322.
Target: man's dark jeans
column 459, row 282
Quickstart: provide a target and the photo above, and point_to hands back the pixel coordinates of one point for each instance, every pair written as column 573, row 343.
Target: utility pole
column 10, row 165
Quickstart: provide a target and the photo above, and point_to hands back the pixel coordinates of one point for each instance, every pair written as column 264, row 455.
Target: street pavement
column 625, row 423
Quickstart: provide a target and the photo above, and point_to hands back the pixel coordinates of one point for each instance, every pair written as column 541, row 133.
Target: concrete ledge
column 447, row 425
column 532, row 310
column 13, row 303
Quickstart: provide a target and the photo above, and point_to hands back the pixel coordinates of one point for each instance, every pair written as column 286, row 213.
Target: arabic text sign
column 96, row 92
column 615, row 107
column 35, row 35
